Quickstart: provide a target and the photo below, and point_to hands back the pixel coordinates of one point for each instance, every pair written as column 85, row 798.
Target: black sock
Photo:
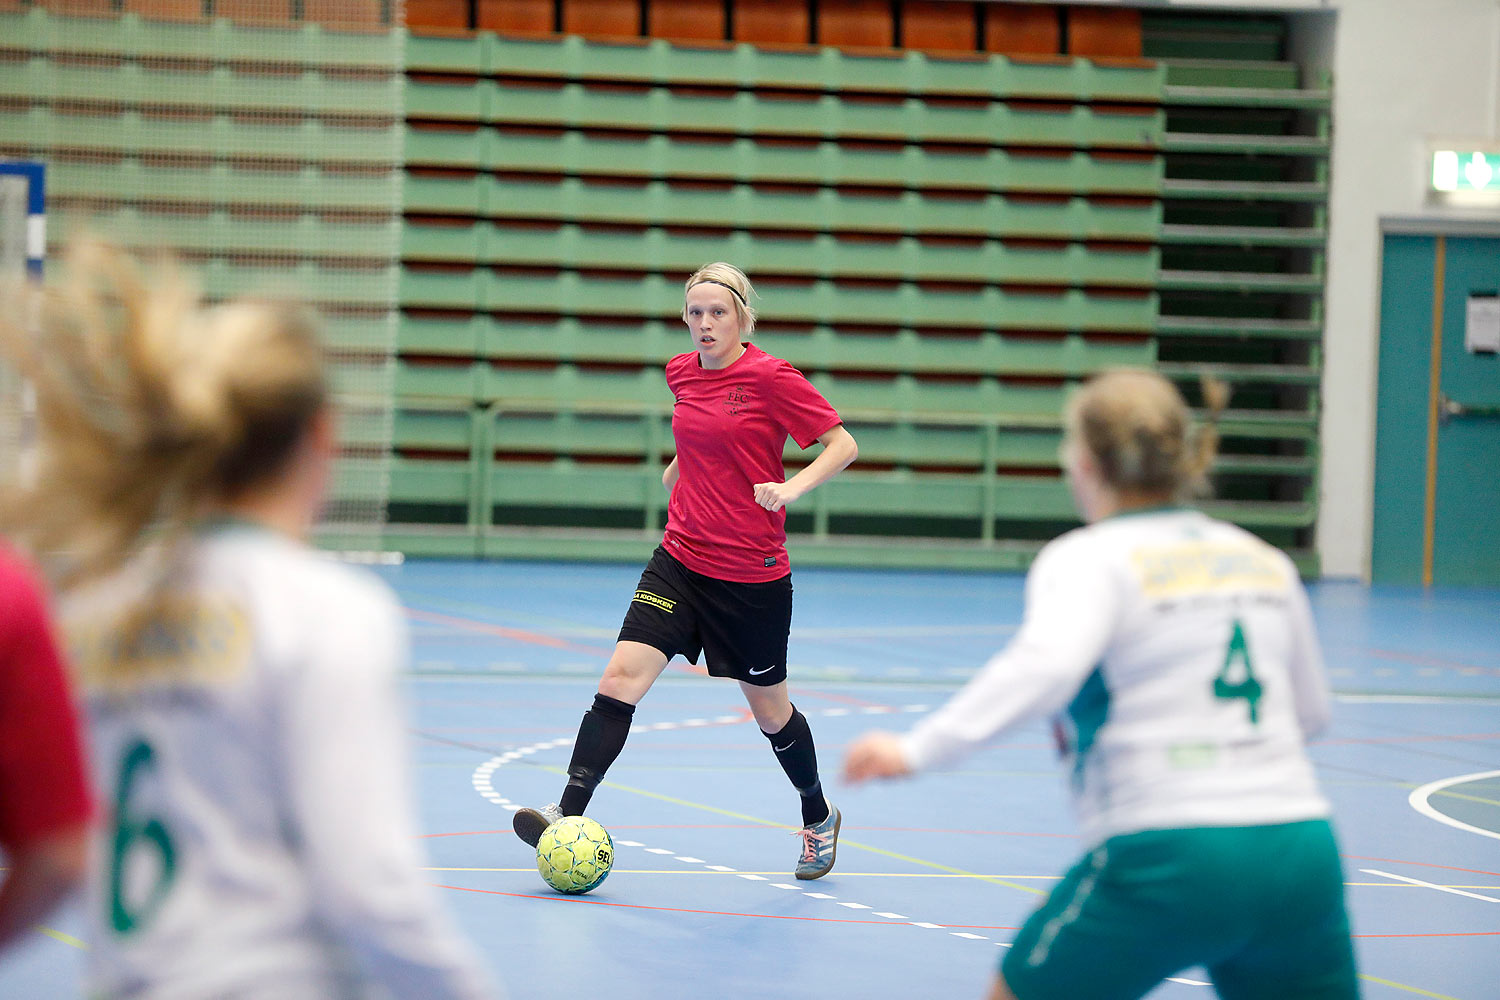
column 799, row 759
column 601, row 737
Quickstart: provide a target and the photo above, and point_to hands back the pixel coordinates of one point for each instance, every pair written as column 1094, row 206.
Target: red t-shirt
column 43, row 782
column 730, row 426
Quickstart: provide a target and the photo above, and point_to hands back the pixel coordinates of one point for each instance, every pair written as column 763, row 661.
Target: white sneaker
column 529, row 823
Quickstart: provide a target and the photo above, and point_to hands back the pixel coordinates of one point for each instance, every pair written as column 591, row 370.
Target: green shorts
column 1261, row 907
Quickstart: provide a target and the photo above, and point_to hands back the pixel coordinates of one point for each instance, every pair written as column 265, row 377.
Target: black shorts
column 741, row 627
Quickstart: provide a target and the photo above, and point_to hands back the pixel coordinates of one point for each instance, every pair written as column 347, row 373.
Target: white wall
column 1404, row 72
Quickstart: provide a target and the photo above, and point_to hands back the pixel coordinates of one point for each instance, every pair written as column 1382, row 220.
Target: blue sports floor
column 932, row 879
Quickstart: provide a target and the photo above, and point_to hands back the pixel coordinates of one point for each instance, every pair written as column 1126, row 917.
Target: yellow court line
column 58, row 935
column 1466, row 798
column 782, row 874
column 938, row 874
column 1402, row 986
column 1403, row 885
column 843, row 842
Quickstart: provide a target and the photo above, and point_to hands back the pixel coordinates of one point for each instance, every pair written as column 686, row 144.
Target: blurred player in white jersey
column 247, row 731
column 1177, row 656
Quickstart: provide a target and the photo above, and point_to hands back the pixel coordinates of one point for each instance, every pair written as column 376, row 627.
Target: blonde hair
column 732, row 278
column 150, row 408
column 1137, row 428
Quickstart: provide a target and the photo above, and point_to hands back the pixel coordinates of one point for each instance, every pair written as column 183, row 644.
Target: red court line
column 1424, row 864
column 1453, row 934
column 616, row 827
column 463, row 833
column 519, row 635
column 710, row 913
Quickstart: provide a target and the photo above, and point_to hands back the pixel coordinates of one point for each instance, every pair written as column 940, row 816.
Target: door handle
column 1449, row 409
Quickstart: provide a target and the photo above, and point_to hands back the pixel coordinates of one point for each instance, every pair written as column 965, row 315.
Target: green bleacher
column 266, row 157
column 945, row 247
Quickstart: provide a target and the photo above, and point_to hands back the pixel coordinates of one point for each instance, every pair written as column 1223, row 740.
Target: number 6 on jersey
column 130, row 833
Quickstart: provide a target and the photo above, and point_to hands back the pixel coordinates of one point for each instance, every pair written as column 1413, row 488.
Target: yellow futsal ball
column 574, row 854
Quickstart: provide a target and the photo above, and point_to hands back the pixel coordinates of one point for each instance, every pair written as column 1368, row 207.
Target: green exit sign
column 1465, row 171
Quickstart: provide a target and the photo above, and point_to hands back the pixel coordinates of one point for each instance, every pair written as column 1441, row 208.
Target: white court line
column 1187, row 982
column 1419, row 796
column 1429, row 885
column 483, row 782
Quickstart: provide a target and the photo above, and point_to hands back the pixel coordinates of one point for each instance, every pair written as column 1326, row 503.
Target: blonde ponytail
column 1136, row 426
column 1206, row 441
column 148, row 408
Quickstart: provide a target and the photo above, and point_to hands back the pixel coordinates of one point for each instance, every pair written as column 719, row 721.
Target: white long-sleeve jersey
column 1178, row 657
column 249, row 748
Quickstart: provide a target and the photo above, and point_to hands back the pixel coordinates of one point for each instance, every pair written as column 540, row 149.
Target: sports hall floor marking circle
column 484, row 785
column 1419, row 800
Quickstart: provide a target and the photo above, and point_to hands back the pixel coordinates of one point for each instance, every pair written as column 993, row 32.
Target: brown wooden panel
column 522, row 16
column 1022, row 29
column 856, row 23
column 602, row 18
column 1104, row 31
column 777, row 22
column 934, row 26
column 688, row 20
column 343, row 13
column 255, row 11
column 167, row 10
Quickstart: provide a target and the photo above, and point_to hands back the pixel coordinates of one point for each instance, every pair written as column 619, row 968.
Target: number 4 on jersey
column 1248, row 687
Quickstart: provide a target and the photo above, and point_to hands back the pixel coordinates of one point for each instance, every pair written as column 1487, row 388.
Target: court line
column 1441, row 934
column 1424, row 738
column 843, row 841
column 1402, row 986
column 560, row 898
column 719, row 870
column 519, row 635
column 1430, row 661
column 1447, row 794
column 1424, row 864
column 58, row 935
column 483, row 784
column 1418, row 800
column 1430, row 885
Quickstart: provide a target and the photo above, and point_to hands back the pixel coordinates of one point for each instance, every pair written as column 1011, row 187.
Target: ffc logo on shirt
column 738, row 397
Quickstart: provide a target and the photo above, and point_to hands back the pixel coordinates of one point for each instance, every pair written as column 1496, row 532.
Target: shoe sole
column 809, row 876
column 529, row 824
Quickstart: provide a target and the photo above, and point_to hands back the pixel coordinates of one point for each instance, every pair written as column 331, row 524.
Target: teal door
column 1437, row 445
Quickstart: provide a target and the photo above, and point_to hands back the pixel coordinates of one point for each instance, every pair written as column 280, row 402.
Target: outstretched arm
column 1069, row 616
column 41, row 875
column 839, row 449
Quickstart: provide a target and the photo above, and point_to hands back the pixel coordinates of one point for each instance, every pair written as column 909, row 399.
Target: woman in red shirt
column 720, row 583
column 45, row 802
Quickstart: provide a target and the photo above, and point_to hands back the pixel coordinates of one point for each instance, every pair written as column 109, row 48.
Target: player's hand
column 774, row 496
column 875, row 755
